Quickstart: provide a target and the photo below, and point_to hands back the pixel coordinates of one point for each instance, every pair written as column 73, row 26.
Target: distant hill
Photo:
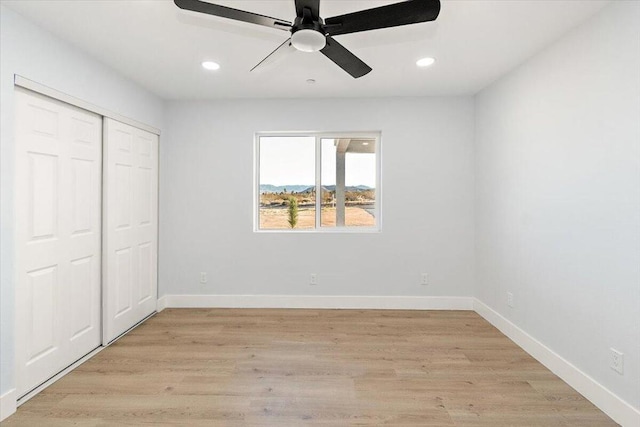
column 268, row 188
column 355, row 188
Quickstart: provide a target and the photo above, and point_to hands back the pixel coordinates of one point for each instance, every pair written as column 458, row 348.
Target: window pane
column 287, row 175
column 348, row 181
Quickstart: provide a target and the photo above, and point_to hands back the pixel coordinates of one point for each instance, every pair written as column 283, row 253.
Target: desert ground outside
column 276, row 218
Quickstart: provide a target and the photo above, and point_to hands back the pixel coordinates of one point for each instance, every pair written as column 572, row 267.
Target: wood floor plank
column 268, row 367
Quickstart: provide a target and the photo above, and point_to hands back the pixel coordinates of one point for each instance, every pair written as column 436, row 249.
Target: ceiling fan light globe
column 308, row 40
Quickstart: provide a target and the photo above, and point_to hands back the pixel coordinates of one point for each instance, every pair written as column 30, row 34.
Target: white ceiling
column 161, row 47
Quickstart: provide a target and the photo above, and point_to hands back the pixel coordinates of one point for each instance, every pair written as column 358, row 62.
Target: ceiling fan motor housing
column 308, row 35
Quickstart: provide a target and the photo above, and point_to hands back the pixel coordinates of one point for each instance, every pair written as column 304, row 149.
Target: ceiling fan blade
column 280, row 52
column 345, row 59
column 231, row 13
column 392, row 15
column 312, row 5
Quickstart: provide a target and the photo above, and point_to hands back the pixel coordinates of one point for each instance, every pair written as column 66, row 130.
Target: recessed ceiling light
column 311, row 81
column 365, row 143
column 210, row 65
column 425, row 62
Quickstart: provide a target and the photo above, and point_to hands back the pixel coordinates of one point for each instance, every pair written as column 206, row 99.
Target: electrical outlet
column 510, row 299
column 203, row 277
column 424, row 279
column 313, row 280
column 617, row 361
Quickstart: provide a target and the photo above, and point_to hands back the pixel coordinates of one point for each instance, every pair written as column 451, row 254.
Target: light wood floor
column 243, row 367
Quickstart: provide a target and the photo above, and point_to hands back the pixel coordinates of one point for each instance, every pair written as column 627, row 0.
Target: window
column 318, row 182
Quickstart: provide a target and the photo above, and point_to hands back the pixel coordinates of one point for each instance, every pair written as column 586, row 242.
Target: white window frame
column 375, row 135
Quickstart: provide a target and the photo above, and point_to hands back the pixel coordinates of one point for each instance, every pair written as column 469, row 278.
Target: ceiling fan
column 310, row 33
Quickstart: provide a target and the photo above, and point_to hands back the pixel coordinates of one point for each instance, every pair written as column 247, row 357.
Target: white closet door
column 131, row 227
column 58, row 236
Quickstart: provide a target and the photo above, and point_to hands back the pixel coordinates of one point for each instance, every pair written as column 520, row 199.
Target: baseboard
column 318, row 302
column 8, row 404
column 619, row 410
column 161, row 304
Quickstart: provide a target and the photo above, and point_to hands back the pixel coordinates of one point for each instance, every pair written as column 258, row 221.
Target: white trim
column 59, row 375
column 161, row 304
column 318, row 302
column 8, row 404
column 23, row 82
column 612, row 405
column 317, row 183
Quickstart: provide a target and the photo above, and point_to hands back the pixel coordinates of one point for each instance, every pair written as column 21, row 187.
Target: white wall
column 35, row 54
column 558, row 196
column 206, row 201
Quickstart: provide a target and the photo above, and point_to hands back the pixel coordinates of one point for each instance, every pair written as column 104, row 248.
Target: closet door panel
column 58, row 236
column 131, row 227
